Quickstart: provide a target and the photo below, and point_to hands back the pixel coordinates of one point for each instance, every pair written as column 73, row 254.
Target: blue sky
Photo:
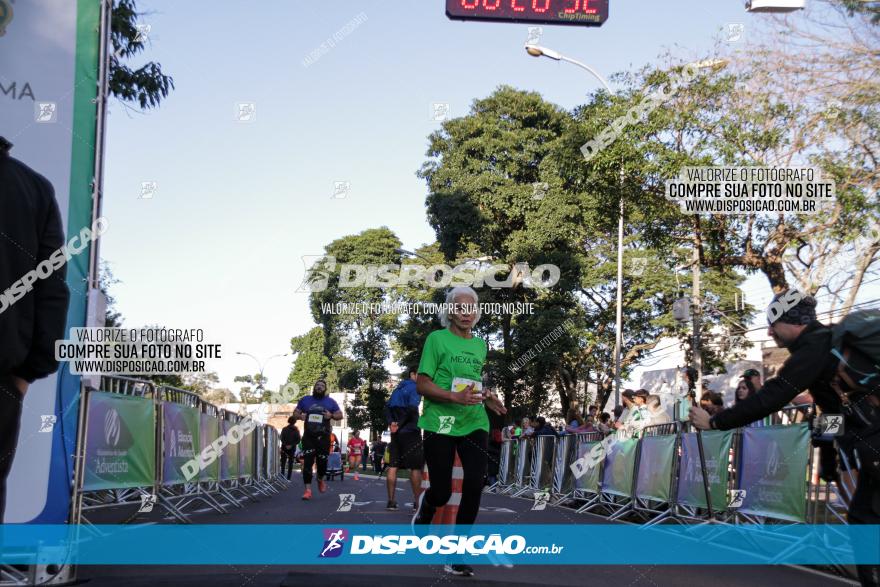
column 237, row 205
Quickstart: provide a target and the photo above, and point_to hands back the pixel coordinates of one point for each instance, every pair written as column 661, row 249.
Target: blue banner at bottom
column 587, row 544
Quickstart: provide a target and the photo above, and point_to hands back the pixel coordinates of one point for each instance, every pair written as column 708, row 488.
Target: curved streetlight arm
column 538, row 51
column 261, row 366
column 590, row 69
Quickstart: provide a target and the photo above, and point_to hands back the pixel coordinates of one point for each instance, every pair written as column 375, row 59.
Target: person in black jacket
column 405, row 449
column 542, row 428
column 290, row 437
column 811, row 366
column 32, row 317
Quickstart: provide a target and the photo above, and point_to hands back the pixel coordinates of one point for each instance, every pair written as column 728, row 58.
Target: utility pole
column 618, row 335
column 697, row 356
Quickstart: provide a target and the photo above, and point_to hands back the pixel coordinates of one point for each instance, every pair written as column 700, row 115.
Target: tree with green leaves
column 219, row 396
column 482, row 203
column 147, row 85
column 311, row 361
column 495, row 194
column 358, row 343
column 200, row 383
column 254, row 392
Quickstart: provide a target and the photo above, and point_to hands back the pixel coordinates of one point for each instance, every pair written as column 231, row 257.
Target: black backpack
column 860, row 332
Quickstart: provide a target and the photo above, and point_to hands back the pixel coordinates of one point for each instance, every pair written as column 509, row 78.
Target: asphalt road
column 369, row 508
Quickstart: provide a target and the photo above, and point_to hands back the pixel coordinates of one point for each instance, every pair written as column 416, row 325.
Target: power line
column 837, row 312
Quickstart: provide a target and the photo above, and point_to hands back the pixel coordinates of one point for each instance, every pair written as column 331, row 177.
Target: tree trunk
column 562, row 390
column 507, row 380
column 859, row 276
column 775, row 272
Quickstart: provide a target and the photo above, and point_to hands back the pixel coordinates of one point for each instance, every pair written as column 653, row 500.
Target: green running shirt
column 446, row 356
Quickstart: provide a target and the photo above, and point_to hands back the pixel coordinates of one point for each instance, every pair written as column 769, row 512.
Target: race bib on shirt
column 315, row 423
column 460, row 384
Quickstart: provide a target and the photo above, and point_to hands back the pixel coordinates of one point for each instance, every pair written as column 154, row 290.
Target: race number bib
column 316, row 418
column 460, row 384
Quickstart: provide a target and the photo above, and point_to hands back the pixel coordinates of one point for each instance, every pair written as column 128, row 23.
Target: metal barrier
column 704, row 475
column 88, row 495
column 773, row 464
column 506, row 463
column 586, row 485
column 656, row 472
column 618, row 472
column 563, row 478
column 524, row 451
column 124, row 413
column 179, row 439
column 543, row 460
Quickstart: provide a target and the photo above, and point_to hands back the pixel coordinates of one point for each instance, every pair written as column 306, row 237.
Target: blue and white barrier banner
column 588, row 544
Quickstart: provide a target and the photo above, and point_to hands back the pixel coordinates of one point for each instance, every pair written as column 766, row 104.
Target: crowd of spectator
column 640, row 408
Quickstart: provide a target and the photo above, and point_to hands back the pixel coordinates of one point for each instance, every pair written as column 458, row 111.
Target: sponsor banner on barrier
column 272, row 441
column 716, row 449
column 562, row 476
column 655, row 467
column 120, row 442
column 229, row 454
column 209, row 431
column 259, row 435
column 562, row 544
column 589, row 481
column 619, row 463
column 181, row 440
column 246, row 455
column 542, row 461
column 773, row 471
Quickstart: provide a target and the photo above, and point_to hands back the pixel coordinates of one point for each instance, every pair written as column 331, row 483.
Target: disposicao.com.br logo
column 334, row 542
column 430, row 544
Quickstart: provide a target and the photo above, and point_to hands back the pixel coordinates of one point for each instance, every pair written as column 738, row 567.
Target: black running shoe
column 424, row 512
column 392, row 505
column 459, row 570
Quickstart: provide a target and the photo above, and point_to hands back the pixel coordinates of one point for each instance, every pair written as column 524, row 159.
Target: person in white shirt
column 657, row 412
column 627, row 398
column 527, row 429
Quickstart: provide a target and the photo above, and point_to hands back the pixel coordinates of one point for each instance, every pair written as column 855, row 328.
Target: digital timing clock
column 571, row 12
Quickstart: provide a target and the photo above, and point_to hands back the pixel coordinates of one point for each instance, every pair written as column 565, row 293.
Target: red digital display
column 574, row 12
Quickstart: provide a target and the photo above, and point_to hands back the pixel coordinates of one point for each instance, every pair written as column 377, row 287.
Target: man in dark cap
column 812, row 365
column 32, row 316
column 792, row 325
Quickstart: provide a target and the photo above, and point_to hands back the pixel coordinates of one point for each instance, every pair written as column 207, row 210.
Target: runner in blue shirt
column 316, row 410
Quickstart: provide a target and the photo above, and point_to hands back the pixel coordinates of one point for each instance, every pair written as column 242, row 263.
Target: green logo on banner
column 655, row 467
column 120, row 442
column 619, row 465
column 774, row 471
column 716, row 449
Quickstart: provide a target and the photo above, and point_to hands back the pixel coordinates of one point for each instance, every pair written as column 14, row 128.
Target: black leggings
column 440, row 452
column 287, row 459
column 315, row 448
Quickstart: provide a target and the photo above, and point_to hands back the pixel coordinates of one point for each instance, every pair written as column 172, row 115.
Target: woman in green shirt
column 454, row 418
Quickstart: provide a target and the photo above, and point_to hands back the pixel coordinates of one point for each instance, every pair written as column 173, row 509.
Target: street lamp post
column 538, row 51
column 261, row 366
column 412, row 254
